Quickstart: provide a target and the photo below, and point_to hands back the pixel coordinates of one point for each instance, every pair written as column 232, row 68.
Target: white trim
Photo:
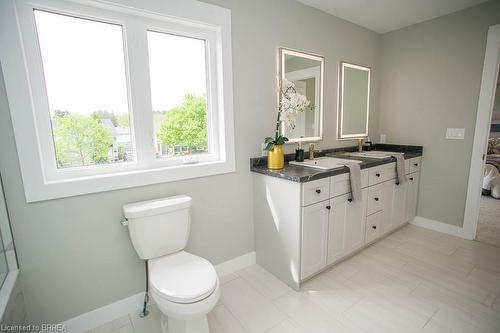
column 105, row 314
column 439, row 226
column 132, row 304
column 235, row 264
column 481, row 132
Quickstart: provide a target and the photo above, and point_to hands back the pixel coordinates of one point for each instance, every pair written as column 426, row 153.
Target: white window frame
column 23, row 73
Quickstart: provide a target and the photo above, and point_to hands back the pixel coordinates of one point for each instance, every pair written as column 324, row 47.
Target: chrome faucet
column 312, row 151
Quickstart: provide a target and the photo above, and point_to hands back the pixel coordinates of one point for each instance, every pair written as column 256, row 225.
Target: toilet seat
column 182, row 278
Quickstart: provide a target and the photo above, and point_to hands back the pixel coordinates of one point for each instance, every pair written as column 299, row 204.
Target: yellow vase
column 276, row 158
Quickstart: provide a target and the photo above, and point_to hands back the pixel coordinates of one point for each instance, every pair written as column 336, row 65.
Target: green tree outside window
column 186, row 125
column 81, row 140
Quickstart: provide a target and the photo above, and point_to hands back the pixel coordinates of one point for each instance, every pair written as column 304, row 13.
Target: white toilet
column 184, row 286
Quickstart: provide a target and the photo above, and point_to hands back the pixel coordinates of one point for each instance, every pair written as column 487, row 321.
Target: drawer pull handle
column 374, row 227
column 415, row 164
column 328, row 207
column 411, row 178
column 376, row 198
column 377, row 174
column 318, row 191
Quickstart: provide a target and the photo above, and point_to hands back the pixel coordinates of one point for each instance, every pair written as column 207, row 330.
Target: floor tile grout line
column 232, row 314
column 432, row 316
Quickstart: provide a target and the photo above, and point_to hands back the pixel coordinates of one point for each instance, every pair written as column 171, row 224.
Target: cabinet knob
column 411, row 178
column 377, row 174
column 328, row 207
column 374, row 227
column 318, row 191
column 350, row 199
column 376, row 198
column 415, row 164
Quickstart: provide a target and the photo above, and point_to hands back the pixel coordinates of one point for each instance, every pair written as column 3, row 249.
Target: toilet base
column 171, row 325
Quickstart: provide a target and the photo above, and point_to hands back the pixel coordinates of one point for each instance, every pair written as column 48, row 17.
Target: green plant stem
column 277, row 125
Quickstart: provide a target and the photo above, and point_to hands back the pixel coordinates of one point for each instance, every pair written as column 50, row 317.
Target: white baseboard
column 440, row 227
column 107, row 313
column 235, row 264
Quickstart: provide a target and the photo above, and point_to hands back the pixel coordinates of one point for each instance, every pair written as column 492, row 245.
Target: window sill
column 121, row 180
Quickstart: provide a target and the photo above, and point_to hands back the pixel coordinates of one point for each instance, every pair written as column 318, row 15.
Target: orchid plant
column 291, row 104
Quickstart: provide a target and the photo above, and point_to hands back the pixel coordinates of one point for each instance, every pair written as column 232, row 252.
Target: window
column 84, row 70
column 104, row 97
column 178, row 93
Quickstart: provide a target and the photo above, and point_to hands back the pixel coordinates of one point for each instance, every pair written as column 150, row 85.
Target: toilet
column 184, row 286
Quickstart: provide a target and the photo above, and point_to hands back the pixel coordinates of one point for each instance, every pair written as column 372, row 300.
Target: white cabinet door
column 314, row 238
column 412, row 195
column 356, row 223
column 337, row 228
column 346, row 226
column 398, row 216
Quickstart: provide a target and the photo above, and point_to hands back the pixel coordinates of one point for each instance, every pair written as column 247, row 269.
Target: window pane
column 178, row 93
column 84, row 67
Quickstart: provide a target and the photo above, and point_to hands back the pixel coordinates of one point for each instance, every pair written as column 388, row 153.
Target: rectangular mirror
column 306, row 72
column 354, row 101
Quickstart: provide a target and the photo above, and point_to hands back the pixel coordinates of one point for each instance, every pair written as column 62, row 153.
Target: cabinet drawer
column 315, row 191
column 340, row 184
column 373, row 223
column 381, row 173
column 414, row 164
column 375, row 199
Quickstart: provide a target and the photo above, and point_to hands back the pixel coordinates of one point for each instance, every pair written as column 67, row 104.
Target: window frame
column 24, row 78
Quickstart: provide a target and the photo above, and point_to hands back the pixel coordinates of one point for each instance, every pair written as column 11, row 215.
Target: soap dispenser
column 368, row 144
column 299, row 153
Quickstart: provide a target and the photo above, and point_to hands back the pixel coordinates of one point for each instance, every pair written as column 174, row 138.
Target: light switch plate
column 455, row 133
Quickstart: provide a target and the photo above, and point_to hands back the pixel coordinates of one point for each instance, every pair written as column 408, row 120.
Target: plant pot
column 276, row 158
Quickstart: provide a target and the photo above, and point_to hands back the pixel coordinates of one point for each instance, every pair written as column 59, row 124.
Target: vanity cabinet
column 303, row 228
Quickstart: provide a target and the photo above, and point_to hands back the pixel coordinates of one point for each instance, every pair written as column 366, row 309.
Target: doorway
column 475, row 201
column 488, row 224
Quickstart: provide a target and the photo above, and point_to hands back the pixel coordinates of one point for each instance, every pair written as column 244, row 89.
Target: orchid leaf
column 270, row 146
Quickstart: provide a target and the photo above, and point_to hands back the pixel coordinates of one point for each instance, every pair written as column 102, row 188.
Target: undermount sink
column 372, row 154
column 325, row 163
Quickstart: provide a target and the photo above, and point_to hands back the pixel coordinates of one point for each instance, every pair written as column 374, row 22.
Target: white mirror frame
column 282, row 53
column 340, row 113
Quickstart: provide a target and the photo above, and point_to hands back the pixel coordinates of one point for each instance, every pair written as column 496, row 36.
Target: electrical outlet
column 455, row 133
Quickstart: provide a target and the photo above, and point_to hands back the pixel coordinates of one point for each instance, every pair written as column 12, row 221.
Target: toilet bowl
column 184, row 286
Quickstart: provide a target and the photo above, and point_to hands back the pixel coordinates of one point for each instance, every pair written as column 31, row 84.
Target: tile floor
column 415, row 280
column 488, row 224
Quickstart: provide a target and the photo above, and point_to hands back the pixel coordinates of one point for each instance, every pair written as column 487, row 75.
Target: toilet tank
column 158, row 227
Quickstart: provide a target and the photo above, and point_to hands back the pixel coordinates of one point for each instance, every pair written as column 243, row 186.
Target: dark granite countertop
column 302, row 174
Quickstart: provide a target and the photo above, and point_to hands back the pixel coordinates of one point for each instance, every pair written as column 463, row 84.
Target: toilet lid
column 182, row 277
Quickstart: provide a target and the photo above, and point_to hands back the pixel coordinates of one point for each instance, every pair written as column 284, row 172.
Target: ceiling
column 387, row 15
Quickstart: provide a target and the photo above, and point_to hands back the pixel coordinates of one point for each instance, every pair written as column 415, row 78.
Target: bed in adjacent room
column 491, row 178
